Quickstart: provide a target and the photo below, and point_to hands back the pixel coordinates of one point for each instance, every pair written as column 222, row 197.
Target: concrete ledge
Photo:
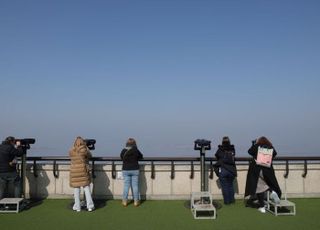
column 163, row 187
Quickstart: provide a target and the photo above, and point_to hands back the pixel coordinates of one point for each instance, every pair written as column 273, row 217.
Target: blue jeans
column 226, row 181
column 10, row 178
column 131, row 179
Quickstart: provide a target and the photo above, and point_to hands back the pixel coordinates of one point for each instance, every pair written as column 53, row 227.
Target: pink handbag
column 264, row 157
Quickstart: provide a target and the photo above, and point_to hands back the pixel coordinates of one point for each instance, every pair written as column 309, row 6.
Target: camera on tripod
column 202, row 144
column 90, row 143
column 26, row 142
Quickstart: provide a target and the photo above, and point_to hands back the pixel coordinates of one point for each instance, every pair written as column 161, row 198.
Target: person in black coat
column 130, row 156
column 226, row 169
column 9, row 150
column 261, row 178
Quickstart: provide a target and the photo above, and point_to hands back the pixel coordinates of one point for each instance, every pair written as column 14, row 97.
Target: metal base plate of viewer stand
column 201, row 206
column 284, row 208
column 10, row 205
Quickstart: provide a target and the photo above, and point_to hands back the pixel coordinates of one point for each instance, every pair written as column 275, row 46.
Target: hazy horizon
column 163, row 72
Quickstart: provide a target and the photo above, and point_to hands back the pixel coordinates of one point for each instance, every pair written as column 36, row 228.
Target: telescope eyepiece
column 199, row 144
column 90, row 143
column 26, row 142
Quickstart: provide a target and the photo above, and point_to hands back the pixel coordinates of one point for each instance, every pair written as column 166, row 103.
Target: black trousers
column 260, row 197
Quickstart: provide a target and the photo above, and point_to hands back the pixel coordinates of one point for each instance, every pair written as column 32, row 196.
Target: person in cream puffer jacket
column 80, row 173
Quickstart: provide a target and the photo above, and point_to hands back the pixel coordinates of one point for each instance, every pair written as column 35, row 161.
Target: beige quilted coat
column 79, row 168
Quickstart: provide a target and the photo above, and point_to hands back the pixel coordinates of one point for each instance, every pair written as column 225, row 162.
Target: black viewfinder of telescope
column 199, row 144
column 26, row 142
column 90, row 143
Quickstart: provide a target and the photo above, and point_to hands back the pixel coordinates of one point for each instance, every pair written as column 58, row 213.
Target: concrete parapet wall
column 162, row 186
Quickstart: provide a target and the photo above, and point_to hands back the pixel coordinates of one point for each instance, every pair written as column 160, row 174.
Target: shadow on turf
column 30, row 203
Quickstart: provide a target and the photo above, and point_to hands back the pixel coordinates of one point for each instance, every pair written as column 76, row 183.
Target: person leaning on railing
column 262, row 178
column 9, row 150
column 80, row 173
column 130, row 156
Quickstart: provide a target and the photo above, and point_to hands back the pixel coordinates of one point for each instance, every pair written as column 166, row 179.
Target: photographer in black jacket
column 9, row 150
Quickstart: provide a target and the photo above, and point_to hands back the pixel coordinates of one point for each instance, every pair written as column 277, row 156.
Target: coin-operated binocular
column 202, row 145
column 90, row 143
column 25, row 144
column 201, row 202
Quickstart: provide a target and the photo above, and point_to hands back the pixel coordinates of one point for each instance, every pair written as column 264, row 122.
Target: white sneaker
column 262, row 210
column 274, row 196
column 74, row 209
column 90, row 209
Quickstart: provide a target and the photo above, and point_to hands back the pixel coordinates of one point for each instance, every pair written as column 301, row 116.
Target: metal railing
column 171, row 161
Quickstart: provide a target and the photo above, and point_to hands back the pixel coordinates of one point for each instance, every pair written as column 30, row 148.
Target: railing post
column 113, row 172
column 152, row 171
column 55, row 169
column 211, row 170
column 35, row 173
column 172, row 170
column 305, row 169
column 192, row 171
column 92, row 170
column 287, row 170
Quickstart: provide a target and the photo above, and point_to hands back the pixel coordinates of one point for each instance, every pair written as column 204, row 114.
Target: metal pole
column 202, row 168
column 23, row 171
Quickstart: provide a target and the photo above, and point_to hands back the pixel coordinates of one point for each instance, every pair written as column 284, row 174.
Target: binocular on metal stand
column 201, row 202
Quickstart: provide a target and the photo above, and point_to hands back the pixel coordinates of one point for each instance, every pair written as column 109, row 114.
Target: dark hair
column 131, row 143
column 9, row 140
column 264, row 141
column 225, row 141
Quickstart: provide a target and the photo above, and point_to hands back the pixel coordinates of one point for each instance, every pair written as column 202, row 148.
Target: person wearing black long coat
column 260, row 177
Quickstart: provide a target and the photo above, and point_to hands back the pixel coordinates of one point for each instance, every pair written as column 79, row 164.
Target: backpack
column 228, row 158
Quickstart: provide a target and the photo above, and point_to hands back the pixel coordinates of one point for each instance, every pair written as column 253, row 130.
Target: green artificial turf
column 152, row 215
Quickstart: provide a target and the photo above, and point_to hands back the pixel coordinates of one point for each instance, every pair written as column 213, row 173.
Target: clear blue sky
column 165, row 72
